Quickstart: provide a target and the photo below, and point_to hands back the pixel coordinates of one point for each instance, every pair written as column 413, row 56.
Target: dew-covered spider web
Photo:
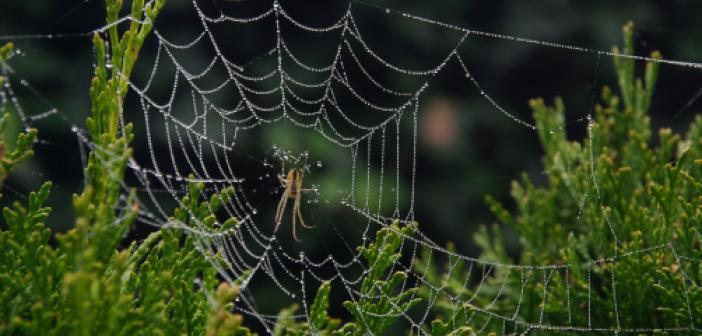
column 344, row 100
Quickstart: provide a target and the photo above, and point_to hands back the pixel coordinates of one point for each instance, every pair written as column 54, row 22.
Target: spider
column 292, row 183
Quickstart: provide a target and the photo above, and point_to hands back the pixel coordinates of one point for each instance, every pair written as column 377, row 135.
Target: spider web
column 9, row 95
column 231, row 97
column 378, row 128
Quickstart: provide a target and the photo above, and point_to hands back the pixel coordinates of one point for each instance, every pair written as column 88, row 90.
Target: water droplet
column 387, row 10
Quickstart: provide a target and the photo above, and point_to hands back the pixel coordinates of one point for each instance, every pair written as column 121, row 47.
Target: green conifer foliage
column 620, row 215
column 617, row 229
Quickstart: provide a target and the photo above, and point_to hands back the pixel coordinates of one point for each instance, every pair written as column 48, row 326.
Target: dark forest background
column 467, row 148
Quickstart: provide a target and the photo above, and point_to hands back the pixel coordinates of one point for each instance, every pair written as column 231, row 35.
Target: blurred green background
column 467, row 148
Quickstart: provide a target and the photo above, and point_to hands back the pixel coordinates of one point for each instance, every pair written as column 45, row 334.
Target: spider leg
column 281, row 208
column 294, row 229
column 298, row 213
